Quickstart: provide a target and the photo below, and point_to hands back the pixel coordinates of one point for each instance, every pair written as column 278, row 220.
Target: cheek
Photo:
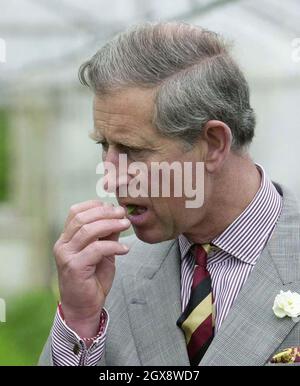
column 168, row 210
column 166, row 207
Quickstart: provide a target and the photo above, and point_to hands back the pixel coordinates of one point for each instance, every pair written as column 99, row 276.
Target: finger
column 98, row 229
column 96, row 251
column 80, row 207
column 91, row 215
column 113, row 236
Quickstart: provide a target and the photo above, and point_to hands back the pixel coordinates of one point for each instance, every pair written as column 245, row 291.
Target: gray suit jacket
column 144, row 305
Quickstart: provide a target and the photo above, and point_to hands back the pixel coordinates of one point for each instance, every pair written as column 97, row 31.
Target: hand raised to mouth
column 85, row 258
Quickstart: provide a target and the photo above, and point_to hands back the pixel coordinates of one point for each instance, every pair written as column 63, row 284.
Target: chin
column 149, row 236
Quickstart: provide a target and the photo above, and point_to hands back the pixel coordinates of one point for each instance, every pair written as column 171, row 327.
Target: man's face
column 123, row 124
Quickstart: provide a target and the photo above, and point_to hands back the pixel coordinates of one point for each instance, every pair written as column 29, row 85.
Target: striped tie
column 197, row 319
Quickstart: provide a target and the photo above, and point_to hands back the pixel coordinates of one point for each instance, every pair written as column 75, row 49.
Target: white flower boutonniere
column 287, row 304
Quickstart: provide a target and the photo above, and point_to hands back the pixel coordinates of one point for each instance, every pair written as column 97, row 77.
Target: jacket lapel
column 153, row 296
column 251, row 332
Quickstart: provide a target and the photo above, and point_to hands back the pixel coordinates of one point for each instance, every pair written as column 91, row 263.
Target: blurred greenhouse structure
column 47, row 161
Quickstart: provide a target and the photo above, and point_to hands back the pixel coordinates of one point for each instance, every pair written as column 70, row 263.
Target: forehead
column 124, row 113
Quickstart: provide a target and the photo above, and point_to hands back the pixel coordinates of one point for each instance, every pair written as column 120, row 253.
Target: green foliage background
column 29, row 318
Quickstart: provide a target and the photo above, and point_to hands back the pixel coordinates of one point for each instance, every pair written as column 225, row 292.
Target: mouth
column 135, row 210
column 136, row 214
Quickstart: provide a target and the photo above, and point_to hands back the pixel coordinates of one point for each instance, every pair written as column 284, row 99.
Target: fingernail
column 124, row 221
column 125, row 247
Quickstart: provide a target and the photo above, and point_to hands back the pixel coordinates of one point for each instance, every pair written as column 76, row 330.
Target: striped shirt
column 69, row 349
column 230, row 262
column 235, row 251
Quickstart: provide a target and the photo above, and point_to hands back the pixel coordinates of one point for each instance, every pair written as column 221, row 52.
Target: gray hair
column 195, row 77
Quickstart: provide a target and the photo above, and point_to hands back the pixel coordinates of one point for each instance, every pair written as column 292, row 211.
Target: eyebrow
column 96, row 136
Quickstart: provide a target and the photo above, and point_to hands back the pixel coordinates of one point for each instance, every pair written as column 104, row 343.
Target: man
column 198, row 284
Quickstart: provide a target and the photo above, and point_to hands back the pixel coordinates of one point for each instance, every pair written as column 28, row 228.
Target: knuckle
column 78, row 220
column 59, row 257
column 107, row 206
column 96, row 202
column 57, row 248
column 84, row 230
column 73, row 209
column 108, row 225
column 105, row 211
column 61, row 264
column 69, row 266
column 72, row 266
column 97, row 247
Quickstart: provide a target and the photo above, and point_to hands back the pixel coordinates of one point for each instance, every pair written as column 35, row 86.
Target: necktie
column 197, row 319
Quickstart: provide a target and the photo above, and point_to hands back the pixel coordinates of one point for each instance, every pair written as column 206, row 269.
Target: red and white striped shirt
column 230, row 263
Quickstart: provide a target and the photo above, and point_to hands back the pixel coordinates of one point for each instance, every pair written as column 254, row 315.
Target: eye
column 135, row 152
column 131, row 152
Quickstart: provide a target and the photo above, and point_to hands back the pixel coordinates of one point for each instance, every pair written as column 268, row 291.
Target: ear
column 218, row 138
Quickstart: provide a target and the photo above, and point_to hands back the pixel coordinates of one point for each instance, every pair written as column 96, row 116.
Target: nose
column 115, row 177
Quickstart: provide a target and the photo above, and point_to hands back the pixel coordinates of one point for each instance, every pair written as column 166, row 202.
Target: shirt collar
column 246, row 236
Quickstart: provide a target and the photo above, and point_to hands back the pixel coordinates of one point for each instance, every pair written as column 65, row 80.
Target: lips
column 139, row 217
column 135, row 210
